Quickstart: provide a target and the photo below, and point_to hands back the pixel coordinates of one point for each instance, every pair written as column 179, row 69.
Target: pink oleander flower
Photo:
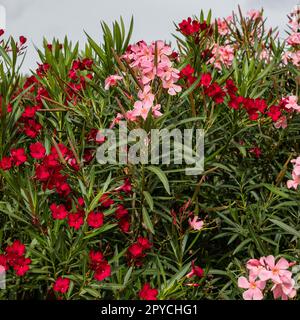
column 222, row 24
column 155, row 111
column 140, row 110
column 222, row 55
column 281, row 123
column 112, row 81
column 293, row 39
column 256, row 266
column 275, row 272
column 254, row 287
column 146, row 97
column 151, row 61
column 294, row 183
column 116, row 120
column 295, row 174
column 254, row 14
column 196, row 223
column 284, row 290
column 293, row 57
column 291, row 103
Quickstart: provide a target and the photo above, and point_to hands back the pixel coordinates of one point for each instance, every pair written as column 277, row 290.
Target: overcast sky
column 153, row 18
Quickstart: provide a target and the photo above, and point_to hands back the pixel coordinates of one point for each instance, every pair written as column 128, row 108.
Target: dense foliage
column 73, row 228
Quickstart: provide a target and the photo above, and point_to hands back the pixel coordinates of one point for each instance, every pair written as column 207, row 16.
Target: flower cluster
column 263, row 270
column 221, row 56
column 61, row 285
column 79, row 74
column 137, row 250
column 223, row 25
column 148, row 293
column 15, row 257
column 99, row 265
column 295, row 181
column 192, row 27
column 293, row 53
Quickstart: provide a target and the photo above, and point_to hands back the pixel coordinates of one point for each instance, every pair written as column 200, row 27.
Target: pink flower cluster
column 221, row 55
column 295, row 174
column 223, row 27
column 293, row 40
column 149, row 62
column 154, row 60
column 263, row 270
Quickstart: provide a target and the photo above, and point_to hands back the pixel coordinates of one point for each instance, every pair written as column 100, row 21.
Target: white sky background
column 153, row 18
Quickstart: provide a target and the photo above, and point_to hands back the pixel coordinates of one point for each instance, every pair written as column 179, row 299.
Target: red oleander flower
column 29, row 112
column 32, row 128
column 126, row 187
column 18, row 156
column 103, row 271
column 37, row 150
column 147, row 293
column 95, row 219
column 231, row 88
column 215, row 92
column 6, row 163
column 16, row 249
column 187, row 71
column 205, row 79
column 23, row 40
column 75, row 220
column 106, row 201
column 135, row 251
column 274, row 113
column 121, row 212
column 124, row 225
column 99, row 265
column 59, row 212
column 61, row 285
column 15, row 257
column 22, row 266
column 256, row 151
column 144, row 242
column 189, row 26
column 4, row 262
column 196, row 271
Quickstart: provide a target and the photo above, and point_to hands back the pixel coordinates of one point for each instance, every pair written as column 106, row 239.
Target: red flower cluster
column 99, row 265
column 122, row 216
column 148, row 293
column 78, row 74
column 106, row 201
column 215, row 92
column 59, row 212
column 189, row 27
column 61, row 285
column 37, row 150
column 15, row 257
column 17, row 157
column 137, row 250
column 76, row 219
column 49, row 170
column 95, row 219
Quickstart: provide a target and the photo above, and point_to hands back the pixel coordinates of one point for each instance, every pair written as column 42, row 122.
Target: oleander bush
column 73, row 228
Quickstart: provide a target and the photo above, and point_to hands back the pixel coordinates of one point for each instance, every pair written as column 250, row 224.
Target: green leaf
column 286, row 227
column 161, row 175
column 147, row 221
column 149, row 199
